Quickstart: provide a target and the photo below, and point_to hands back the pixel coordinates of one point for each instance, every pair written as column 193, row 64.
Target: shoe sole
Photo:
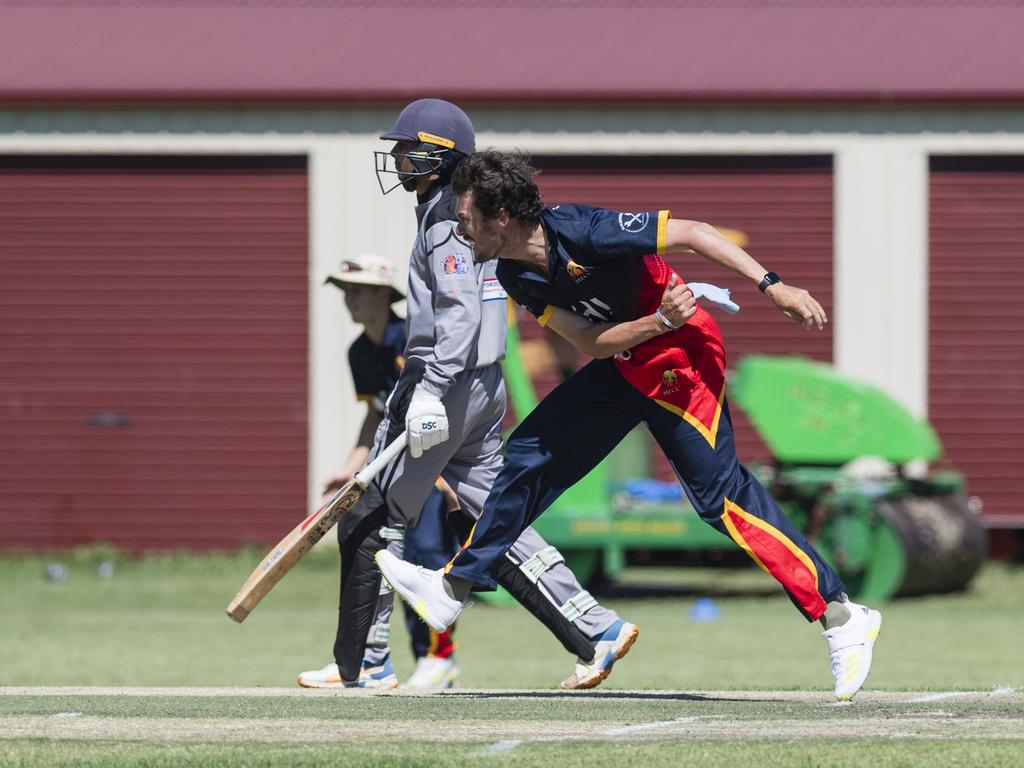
column 418, row 607
column 603, row 674
column 389, row 687
column 873, row 631
column 339, row 684
column 325, row 684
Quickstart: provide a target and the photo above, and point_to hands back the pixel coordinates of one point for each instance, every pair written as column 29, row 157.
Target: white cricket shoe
column 849, row 649
column 382, row 676
column 434, row 672
column 612, row 645
column 421, row 589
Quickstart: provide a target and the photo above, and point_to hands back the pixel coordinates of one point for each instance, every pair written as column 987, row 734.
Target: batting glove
column 426, row 422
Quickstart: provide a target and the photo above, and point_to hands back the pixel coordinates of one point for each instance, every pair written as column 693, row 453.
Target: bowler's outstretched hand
column 798, row 304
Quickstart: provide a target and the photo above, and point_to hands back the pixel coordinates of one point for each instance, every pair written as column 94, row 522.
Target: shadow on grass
column 609, row 695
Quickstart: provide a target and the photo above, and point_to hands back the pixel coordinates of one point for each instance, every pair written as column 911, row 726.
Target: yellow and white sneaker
column 849, row 649
column 382, row 676
column 422, row 589
column 612, row 645
column 434, row 672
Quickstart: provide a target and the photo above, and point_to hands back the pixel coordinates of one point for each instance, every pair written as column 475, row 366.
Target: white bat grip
column 365, row 476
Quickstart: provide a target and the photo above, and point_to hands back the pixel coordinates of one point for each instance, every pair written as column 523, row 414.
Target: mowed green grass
column 160, row 621
column 268, row 727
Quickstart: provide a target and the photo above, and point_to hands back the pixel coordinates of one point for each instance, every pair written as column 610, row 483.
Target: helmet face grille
column 425, row 159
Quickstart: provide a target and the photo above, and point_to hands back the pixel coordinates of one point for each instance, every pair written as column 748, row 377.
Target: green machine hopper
column 850, row 468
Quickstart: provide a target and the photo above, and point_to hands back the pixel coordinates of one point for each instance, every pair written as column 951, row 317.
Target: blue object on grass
column 650, row 490
column 704, row 611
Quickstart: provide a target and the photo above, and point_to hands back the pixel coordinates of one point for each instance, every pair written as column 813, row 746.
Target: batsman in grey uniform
column 450, row 399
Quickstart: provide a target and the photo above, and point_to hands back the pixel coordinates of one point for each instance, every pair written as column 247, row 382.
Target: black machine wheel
column 943, row 540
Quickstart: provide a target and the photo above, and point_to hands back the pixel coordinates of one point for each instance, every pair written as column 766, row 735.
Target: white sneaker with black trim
column 612, row 645
column 434, row 672
column 849, row 649
column 422, row 589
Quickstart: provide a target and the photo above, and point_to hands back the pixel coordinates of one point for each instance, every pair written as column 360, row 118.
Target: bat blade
column 292, row 547
column 287, row 552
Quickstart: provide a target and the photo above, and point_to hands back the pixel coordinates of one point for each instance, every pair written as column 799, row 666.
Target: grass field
column 274, row 727
column 185, row 684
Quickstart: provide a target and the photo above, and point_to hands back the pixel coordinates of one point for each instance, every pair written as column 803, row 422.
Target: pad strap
column 577, row 605
column 379, row 634
column 392, row 534
column 540, row 561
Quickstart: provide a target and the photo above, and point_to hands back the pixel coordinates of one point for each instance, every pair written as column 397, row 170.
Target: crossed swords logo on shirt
column 633, row 222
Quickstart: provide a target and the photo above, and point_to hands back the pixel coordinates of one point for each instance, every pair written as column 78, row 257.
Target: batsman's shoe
column 382, row 676
column 423, row 590
column 328, row 677
column 612, row 645
column 849, row 649
column 434, row 672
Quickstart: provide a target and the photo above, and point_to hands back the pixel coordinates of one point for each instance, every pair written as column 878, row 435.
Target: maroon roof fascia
column 494, row 54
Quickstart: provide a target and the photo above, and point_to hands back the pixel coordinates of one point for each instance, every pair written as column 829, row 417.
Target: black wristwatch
column 770, row 279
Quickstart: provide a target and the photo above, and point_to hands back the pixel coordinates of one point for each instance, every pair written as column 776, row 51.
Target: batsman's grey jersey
column 457, row 310
column 457, row 316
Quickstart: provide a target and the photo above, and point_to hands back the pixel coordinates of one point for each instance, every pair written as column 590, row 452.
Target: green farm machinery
column 850, row 468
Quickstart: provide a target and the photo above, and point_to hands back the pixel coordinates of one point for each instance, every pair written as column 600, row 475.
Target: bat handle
column 367, row 473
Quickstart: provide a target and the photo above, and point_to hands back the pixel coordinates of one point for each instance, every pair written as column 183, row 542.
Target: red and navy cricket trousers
column 674, row 386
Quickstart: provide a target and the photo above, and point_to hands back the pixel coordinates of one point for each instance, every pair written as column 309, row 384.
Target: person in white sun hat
column 375, row 359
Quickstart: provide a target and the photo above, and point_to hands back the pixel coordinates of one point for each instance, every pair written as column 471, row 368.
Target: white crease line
column 500, row 747
column 649, row 726
column 507, row 745
column 959, row 695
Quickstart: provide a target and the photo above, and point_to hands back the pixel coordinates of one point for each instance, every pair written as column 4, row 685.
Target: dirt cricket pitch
column 499, row 721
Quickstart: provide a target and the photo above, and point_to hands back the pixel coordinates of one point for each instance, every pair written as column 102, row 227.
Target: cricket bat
column 287, row 552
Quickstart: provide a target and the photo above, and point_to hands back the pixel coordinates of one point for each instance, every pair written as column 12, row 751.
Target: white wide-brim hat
column 366, row 269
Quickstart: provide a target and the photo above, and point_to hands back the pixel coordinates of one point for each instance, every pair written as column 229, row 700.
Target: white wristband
column 664, row 320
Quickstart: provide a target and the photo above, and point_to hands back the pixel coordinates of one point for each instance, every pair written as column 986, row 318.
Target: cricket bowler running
column 450, row 400
column 596, row 277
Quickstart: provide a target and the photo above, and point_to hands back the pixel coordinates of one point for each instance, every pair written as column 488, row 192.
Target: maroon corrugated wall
column 153, row 339
column 782, row 204
column 976, row 326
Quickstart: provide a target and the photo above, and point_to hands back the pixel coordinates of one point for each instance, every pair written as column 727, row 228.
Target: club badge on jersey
column 454, row 264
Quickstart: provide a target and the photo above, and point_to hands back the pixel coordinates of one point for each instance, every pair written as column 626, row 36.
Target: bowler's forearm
column 711, row 244
column 604, row 339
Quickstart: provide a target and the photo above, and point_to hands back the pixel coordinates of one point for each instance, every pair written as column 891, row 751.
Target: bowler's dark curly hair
column 498, row 181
